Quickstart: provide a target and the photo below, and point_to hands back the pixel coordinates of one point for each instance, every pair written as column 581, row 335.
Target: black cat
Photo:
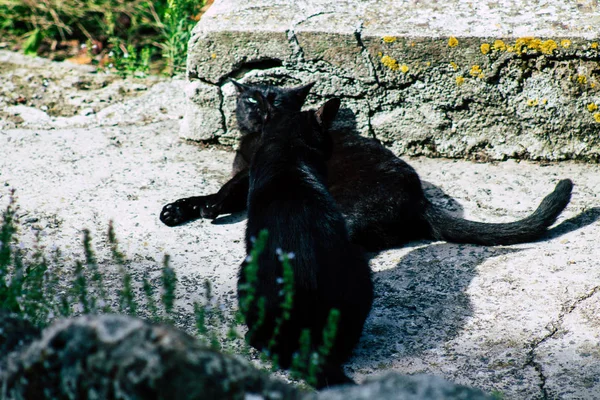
column 379, row 194
column 288, row 197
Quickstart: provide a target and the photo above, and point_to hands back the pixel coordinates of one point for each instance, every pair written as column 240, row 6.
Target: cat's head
column 247, row 111
column 308, row 127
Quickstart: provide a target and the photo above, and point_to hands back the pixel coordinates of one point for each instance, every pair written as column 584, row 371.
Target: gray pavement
column 521, row 320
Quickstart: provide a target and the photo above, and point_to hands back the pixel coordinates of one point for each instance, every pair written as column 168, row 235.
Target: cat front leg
column 229, row 199
column 184, row 210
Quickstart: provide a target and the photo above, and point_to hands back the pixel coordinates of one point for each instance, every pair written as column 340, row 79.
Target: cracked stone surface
column 521, row 320
column 484, row 80
column 573, row 343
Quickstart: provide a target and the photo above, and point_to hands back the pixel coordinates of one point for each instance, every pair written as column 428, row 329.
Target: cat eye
column 251, row 100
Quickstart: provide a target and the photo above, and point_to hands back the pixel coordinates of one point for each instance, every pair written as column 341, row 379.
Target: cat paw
column 172, row 215
column 189, row 209
column 179, row 212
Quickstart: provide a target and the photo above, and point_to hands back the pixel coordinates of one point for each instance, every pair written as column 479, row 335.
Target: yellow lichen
column 412, row 44
column 428, row 63
column 475, row 71
column 499, row 45
column 510, row 49
column 594, row 45
column 592, row 107
column 544, row 101
column 566, row 43
column 213, row 56
column 485, row 48
column 454, row 65
column 581, row 79
column 389, row 39
column 380, row 54
column 452, row 41
column 532, row 102
column 548, row 46
column 527, row 42
column 597, row 117
column 593, row 85
column 460, row 80
column 404, row 68
column 390, row 63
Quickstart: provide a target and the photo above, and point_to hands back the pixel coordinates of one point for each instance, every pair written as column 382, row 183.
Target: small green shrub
column 306, row 363
column 126, row 60
column 42, row 288
column 133, row 31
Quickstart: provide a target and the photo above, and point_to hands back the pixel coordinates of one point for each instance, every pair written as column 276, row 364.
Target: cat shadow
column 421, row 303
column 585, row 218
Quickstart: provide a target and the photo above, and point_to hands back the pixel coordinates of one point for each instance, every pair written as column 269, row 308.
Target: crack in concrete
column 496, row 67
column 555, row 326
column 365, row 53
column 221, row 111
column 370, row 114
column 297, row 50
column 538, row 366
column 318, row 14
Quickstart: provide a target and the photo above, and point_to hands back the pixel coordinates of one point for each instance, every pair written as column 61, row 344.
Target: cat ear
column 301, row 92
column 326, row 114
column 239, row 87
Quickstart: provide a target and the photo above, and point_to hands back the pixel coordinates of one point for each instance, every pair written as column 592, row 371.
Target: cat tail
column 453, row 229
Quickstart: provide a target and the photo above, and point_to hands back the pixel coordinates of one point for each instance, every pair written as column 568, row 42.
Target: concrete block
column 481, row 80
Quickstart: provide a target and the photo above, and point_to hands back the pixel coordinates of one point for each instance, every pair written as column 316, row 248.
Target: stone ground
column 521, row 320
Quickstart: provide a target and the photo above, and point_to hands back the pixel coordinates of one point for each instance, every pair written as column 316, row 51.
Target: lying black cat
column 379, row 194
column 288, row 197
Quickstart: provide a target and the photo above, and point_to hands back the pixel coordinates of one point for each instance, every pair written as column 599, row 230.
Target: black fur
column 288, row 196
column 232, row 196
column 379, row 194
column 384, row 204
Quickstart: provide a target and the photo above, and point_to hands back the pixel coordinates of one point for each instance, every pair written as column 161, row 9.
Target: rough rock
column 39, row 94
column 15, row 333
column 118, row 357
column 481, row 80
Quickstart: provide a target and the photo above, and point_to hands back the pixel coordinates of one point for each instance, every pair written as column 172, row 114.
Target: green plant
column 133, row 31
column 177, row 25
column 208, row 318
column 126, row 60
column 248, row 289
column 498, row 395
column 306, row 363
column 25, row 287
column 41, row 288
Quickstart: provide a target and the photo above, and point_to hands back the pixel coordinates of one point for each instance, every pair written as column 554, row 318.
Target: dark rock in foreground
column 118, row 357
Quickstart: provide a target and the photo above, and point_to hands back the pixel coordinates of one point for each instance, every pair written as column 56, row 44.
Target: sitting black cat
column 379, row 194
column 288, row 197
column 233, row 195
